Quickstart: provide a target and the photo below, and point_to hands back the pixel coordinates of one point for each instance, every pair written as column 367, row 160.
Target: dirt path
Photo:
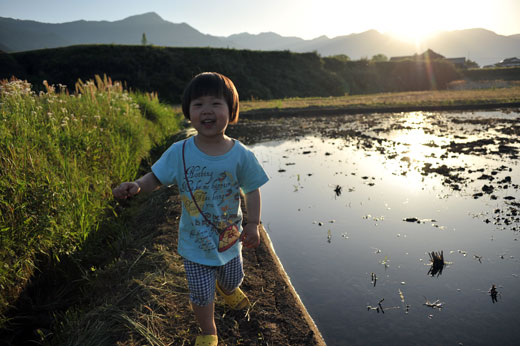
column 277, row 316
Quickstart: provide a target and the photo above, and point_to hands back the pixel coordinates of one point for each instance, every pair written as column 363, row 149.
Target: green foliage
column 379, row 58
column 61, row 153
column 495, row 73
column 470, row 64
column 341, row 57
column 259, row 75
column 9, row 67
column 364, row 76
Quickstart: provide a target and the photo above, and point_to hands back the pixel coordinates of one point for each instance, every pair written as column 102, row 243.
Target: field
column 386, row 101
column 64, row 240
column 359, row 204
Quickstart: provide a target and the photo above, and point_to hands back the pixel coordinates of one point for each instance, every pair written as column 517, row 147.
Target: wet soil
column 495, row 137
column 473, row 154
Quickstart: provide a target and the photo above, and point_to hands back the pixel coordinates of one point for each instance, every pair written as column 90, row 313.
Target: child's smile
column 209, row 115
column 208, row 123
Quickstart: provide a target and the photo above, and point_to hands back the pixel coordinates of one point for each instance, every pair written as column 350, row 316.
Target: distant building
column 459, row 62
column 431, row 55
column 510, row 62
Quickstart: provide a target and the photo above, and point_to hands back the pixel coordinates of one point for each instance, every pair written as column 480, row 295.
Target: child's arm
column 147, row 183
column 250, row 236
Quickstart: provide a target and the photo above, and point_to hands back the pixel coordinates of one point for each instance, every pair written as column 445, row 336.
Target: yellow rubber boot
column 236, row 300
column 206, row 340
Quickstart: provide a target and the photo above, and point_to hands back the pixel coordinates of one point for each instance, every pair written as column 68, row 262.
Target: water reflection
column 494, row 294
column 338, row 208
column 437, row 263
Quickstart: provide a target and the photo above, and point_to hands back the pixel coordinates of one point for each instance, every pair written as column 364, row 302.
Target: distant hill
column 265, row 41
column 483, row 46
column 22, row 35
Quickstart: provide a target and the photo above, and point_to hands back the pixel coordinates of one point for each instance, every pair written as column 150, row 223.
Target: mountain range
column 480, row 45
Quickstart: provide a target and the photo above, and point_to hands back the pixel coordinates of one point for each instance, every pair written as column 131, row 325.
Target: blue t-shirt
column 215, row 182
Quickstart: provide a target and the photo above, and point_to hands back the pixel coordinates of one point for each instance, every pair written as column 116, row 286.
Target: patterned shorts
column 201, row 279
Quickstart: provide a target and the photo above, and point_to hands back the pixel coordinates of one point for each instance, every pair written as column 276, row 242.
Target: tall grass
column 60, row 155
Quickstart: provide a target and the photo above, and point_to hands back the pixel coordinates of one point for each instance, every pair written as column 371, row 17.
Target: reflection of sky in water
column 367, row 231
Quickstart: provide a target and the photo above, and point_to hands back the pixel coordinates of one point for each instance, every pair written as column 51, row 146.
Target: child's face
column 209, row 115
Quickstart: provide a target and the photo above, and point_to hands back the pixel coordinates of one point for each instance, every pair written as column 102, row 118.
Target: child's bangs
column 207, row 85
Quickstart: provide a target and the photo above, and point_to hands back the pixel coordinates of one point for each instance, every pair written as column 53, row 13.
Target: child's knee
column 201, row 298
column 229, row 283
column 201, row 282
column 230, row 275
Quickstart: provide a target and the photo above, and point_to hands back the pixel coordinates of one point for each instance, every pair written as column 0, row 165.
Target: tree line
column 257, row 74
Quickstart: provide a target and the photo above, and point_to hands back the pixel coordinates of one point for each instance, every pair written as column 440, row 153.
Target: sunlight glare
column 414, row 153
column 415, row 21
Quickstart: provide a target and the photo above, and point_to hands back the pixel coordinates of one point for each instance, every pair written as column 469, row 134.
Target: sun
column 412, row 30
column 416, row 35
column 413, row 20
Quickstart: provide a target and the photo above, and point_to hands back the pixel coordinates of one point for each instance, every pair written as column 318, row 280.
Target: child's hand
column 250, row 236
column 126, row 190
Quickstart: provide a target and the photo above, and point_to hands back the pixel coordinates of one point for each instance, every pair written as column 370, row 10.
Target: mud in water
column 361, row 207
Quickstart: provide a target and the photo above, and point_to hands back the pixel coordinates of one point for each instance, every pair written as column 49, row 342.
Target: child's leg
column 230, row 275
column 201, row 282
column 205, row 318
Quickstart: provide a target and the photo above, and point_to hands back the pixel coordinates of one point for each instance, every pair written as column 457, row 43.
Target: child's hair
column 211, row 84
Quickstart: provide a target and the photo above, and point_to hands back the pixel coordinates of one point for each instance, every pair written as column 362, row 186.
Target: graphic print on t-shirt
column 218, row 197
column 191, row 208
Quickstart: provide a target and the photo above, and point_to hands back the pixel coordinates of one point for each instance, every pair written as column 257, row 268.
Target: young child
column 210, row 169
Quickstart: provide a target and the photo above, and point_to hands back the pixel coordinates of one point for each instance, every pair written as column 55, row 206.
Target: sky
column 407, row 19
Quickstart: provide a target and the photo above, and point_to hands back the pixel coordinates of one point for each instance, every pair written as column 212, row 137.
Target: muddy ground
column 496, row 137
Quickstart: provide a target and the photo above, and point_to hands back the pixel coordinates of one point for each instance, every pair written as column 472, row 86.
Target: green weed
column 61, row 154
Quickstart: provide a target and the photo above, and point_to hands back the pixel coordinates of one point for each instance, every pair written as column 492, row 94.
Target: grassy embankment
column 61, row 153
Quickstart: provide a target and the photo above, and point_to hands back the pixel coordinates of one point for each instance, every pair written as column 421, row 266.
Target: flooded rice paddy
column 358, row 207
